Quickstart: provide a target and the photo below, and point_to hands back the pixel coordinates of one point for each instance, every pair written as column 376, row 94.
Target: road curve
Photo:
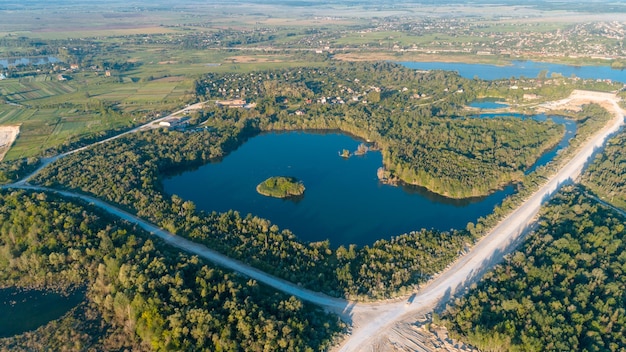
column 332, row 304
column 471, row 266
column 147, row 126
column 375, row 317
column 337, row 305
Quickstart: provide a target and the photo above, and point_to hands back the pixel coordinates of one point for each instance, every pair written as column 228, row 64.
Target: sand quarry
column 8, row 134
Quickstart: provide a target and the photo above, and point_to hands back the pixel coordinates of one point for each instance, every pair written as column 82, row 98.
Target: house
column 2, row 76
column 74, row 66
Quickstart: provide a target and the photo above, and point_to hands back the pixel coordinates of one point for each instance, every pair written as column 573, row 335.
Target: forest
column 385, row 269
column 141, row 295
column 606, row 175
column 416, row 118
column 564, row 289
column 134, row 184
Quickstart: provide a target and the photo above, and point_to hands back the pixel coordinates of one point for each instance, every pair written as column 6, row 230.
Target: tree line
column 562, row 290
column 418, row 120
column 127, row 172
column 606, row 174
column 141, row 294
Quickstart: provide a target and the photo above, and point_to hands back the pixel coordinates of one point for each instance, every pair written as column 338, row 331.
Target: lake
column 6, row 62
column 343, row 201
column 25, row 310
column 528, row 69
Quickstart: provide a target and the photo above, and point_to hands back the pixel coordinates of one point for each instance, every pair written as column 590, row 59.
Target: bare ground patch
column 247, row 59
column 8, row 134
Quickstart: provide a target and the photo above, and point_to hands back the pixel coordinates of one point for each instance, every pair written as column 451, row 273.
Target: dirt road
column 491, row 248
column 148, row 126
column 371, row 321
column 330, row 303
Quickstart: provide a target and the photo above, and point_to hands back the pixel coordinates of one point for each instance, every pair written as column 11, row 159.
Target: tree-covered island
column 281, row 187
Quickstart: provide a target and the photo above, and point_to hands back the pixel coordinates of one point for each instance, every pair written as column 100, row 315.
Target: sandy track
column 499, row 241
column 8, row 135
column 332, row 304
column 371, row 322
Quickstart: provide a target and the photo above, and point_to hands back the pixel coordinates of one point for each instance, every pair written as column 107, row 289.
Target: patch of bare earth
column 420, row 336
column 8, row 134
column 247, row 59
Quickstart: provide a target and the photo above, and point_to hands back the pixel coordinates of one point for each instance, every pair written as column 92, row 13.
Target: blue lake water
column 343, row 201
column 25, row 310
column 528, row 69
column 6, row 62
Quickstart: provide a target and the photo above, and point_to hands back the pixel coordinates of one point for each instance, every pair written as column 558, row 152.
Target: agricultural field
column 51, row 112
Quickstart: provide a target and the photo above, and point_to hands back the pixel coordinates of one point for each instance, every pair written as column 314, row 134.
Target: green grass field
column 40, row 106
column 50, row 111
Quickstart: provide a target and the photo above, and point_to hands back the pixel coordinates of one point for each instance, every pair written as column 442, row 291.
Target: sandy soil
column 8, row 134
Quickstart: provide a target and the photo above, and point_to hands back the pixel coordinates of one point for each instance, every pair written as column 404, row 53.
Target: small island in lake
column 281, row 187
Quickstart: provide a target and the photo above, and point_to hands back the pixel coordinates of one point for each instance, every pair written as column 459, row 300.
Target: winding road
column 371, row 321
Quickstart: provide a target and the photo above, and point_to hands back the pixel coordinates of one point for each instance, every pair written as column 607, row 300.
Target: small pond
column 25, row 310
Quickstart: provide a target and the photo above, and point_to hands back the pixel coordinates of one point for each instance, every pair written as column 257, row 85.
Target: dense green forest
column 134, row 184
column 14, row 170
column 563, row 290
column 607, row 175
column 141, row 295
column 140, row 160
column 418, row 120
